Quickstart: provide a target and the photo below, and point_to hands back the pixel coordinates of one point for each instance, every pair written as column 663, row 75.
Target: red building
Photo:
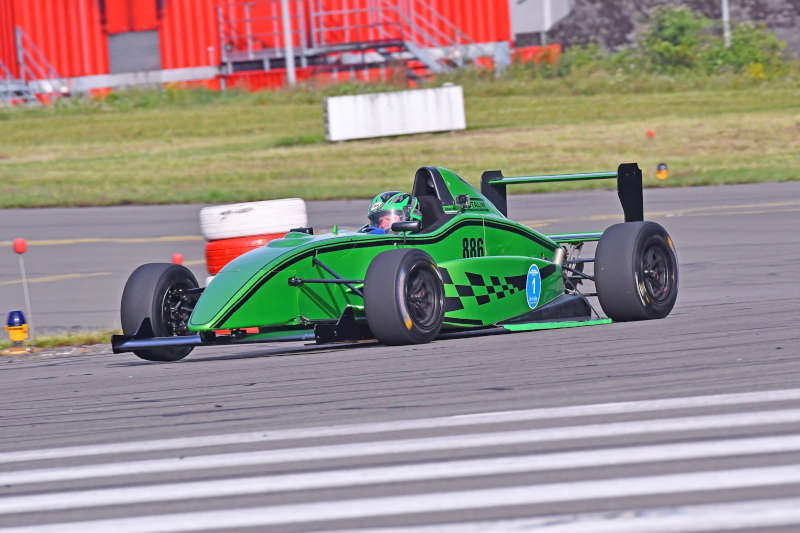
column 76, row 45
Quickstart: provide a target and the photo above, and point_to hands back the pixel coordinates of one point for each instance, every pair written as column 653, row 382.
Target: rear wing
column 629, row 187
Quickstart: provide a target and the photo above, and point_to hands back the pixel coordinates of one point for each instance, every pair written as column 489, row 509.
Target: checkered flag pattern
column 481, row 289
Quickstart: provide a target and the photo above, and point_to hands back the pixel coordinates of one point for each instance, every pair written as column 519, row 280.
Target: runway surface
column 691, row 423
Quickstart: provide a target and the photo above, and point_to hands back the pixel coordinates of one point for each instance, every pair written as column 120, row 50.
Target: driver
column 390, row 207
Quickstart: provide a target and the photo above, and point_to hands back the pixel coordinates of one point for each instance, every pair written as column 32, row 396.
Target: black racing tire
column 151, row 291
column 404, row 297
column 636, row 271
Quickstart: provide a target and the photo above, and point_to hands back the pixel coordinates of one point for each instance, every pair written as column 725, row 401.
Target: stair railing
column 231, row 36
column 34, row 67
column 422, row 32
column 5, row 82
column 428, row 34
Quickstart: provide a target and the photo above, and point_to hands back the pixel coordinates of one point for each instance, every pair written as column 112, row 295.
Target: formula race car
column 462, row 268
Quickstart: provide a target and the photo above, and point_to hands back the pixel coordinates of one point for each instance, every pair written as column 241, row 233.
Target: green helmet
column 390, row 207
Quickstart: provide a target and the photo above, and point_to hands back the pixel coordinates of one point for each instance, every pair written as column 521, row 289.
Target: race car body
column 464, row 266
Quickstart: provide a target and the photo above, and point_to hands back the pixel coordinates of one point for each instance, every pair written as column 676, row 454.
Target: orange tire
column 221, row 252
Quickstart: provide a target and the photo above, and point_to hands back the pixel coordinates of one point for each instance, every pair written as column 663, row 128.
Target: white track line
column 358, row 449
column 546, row 413
column 713, row 517
column 435, row 502
column 396, row 474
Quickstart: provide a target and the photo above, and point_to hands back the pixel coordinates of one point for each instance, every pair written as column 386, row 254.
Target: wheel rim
column 422, row 296
column 657, row 272
column 176, row 308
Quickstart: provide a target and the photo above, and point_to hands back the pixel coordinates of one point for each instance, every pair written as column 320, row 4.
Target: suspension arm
column 578, row 273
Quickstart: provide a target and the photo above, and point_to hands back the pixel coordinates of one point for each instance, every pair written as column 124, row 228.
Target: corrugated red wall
column 131, row 15
column 7, row 50
column 72, row 34
column 482, row 20
column 188, row 30
column 68, row 33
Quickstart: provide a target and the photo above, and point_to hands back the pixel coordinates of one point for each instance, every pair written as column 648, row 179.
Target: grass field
column 81, row 338
column 164, row 147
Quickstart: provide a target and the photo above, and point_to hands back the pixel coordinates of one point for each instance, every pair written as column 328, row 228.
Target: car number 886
column 472, row 247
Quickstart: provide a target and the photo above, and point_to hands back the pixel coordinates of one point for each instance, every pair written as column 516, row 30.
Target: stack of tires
column 234, row 229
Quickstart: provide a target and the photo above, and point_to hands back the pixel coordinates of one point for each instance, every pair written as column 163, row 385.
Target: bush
column 589, row 57
column 753, row 49
column 680, row 40
column 675, row 40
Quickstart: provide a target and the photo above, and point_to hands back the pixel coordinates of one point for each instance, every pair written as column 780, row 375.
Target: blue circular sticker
column 533, row 287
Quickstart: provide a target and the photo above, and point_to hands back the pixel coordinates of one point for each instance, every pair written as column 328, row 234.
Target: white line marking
column 434, row 502
column 395, row 474
column 116, row 240
column 358, row 449
column 712, row 517
column 57, row 277
column 546, row 413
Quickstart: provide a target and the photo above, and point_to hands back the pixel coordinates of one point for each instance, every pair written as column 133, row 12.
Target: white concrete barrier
column 396, row 113
column 252, row 218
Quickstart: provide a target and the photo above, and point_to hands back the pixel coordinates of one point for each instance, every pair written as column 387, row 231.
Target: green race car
column 458, row 267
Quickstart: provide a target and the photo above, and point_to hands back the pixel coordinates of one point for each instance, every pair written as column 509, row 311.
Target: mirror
column 307, row 230
column 411, row 226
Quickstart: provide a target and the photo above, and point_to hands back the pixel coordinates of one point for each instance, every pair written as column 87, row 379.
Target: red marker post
column 651, row 135
column 20, row 246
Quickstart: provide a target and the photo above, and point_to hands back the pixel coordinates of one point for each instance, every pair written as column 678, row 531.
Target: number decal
column 472, row 248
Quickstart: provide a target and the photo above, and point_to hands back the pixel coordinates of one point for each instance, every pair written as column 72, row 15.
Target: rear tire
column 153, row 291
column 636, row 271
column 404, row 297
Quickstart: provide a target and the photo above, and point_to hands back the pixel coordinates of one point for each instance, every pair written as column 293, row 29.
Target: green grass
column 198, row 146
column 81, row 338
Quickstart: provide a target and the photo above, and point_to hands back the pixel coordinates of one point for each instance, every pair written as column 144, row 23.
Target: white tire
column 252, row 218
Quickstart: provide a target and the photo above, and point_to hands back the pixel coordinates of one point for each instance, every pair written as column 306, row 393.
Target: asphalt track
column 691, row 423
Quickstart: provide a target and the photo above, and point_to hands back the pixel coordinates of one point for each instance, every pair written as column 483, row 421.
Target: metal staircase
column 35, row 70
column 13, row 90
column 360, row 34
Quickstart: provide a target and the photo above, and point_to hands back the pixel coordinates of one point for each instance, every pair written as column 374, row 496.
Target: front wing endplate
column 554, row 325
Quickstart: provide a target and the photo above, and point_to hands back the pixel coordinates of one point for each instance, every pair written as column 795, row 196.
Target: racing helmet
column 390, row 207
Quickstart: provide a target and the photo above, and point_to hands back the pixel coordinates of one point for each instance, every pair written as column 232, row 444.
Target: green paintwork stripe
column 556, row 177
column 576, row 237
column 555, row 325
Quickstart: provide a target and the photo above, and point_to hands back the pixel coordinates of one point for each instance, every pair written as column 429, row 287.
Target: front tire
column 404, row 297
column 636, row 271
column 154, row 291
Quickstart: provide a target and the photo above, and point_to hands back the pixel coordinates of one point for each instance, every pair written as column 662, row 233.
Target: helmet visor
column 384, row 218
